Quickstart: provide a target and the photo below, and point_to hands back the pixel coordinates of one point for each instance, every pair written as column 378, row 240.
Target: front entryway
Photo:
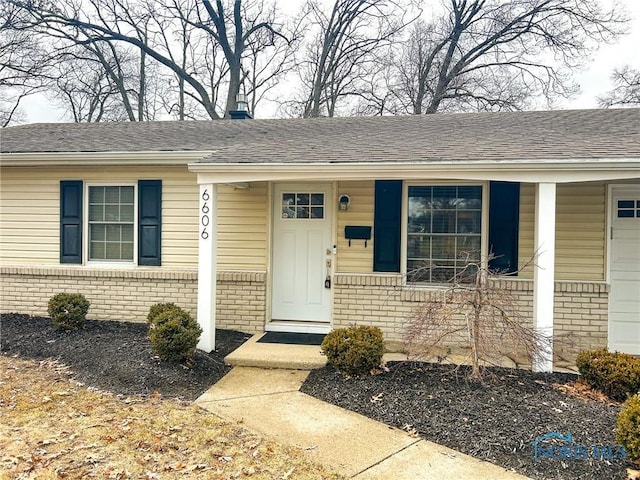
column 302, row 257
column 624, row 297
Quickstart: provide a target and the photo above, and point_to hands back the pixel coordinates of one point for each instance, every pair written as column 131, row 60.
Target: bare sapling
column 477, row 309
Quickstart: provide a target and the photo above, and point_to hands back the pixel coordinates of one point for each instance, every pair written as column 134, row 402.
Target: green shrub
column 159, row 308
column 628, row 427
column 354, row 350
column 174, row 335
column 615, row 374
column 68, row 310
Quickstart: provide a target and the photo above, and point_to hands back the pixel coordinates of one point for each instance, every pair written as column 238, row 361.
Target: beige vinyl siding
column 242, row 225
column 355, row 258
column 30, row 202
column 580, row 230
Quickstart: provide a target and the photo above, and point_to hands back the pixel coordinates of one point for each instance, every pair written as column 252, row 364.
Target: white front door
column 624, row 297
column 302, row 253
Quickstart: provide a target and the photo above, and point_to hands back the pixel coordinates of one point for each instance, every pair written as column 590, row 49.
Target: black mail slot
column 353, row 232
column 357, row 233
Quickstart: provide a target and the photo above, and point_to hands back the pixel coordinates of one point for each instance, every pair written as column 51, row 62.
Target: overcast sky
column 593, row 81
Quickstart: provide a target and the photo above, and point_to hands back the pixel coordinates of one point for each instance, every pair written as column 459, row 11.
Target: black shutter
column 386, row 225
column 504, row 217
column 71, row 221
column 149, row 222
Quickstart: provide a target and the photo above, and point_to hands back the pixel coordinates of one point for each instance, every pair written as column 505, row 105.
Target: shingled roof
column 557, row 134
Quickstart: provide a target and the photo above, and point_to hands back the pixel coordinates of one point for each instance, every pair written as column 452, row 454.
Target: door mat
column 292, row 338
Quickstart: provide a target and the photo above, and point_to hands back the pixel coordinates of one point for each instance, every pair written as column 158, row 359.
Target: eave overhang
column 132, row 158
column 534, row 171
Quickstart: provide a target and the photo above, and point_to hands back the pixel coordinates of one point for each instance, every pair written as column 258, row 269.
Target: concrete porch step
column 276, row 355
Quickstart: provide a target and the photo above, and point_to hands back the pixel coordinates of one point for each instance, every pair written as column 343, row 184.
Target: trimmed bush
column 159, row 308
column 174, row 335
column 354, row 350
column 628, row 427
column 68, row 311
column 615, row 374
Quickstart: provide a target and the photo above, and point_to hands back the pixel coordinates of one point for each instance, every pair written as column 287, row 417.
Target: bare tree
column 84, row 90
column 343, row 53
column 475, row 308
column 496, row 54
column 104, row 82
column 142, row 23
column 24, row 65
column 626, row 91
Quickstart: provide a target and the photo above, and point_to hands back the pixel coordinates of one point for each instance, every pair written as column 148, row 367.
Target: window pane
column 442, row 274
column 317, row 199
column 113, row 233
column 625, row 213
column 469, row 222
column 420, row 224
column 625, row 203
column 444, row 221
column 112, row 195
column 288, row 199
column 96, row 251
column 126, row 195
column 112, row 213
column 112, row 251
column 96, row 213
column 96, row 194
column 126, row 233
column 127, row 251
column 317, row 212
column 288, row 212
column 97, row 232
column 418, row 271
column 302, row 212
column 126, row 213
column 419, row 246
column 443, row 247
column 302, row 199
column 470, row 197
column 444, row 198
column 469, row 248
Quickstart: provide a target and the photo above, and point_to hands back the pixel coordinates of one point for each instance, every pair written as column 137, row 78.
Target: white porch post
column 207, row 265
column 544, row 274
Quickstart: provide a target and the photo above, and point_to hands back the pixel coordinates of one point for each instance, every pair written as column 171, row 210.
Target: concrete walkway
column 268, row 402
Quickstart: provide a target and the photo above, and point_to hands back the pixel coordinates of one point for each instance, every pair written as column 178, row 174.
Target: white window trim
column 484, row 224
column 85, row 227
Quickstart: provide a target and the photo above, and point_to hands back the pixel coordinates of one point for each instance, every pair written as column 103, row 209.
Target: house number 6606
column 204, row 219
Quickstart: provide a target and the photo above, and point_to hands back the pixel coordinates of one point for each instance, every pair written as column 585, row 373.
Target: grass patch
column 53, row 427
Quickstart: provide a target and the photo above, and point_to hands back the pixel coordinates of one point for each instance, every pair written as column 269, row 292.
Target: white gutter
column 558, row 171
column 133, row 158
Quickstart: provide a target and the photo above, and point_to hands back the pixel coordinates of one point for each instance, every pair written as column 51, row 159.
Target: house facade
column 308, row 225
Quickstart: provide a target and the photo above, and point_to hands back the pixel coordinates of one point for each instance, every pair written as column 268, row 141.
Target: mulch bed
column 496, row 420
column 117, row 356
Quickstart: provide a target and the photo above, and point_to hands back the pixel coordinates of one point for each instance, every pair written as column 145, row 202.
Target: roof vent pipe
column 242, row 108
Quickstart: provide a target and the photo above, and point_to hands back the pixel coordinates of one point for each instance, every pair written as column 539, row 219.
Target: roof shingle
column 505, row 136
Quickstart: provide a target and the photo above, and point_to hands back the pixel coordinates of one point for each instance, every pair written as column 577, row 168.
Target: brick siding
column 128, row 294
column 581, row 309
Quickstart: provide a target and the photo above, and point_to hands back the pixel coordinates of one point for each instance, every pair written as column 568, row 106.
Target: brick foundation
column 128, row 294
column 581, row 309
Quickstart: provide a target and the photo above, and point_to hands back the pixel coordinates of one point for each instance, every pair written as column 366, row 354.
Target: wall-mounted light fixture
column 343, row 202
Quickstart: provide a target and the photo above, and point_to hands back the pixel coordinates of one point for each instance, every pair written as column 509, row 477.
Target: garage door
column 624, row 297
